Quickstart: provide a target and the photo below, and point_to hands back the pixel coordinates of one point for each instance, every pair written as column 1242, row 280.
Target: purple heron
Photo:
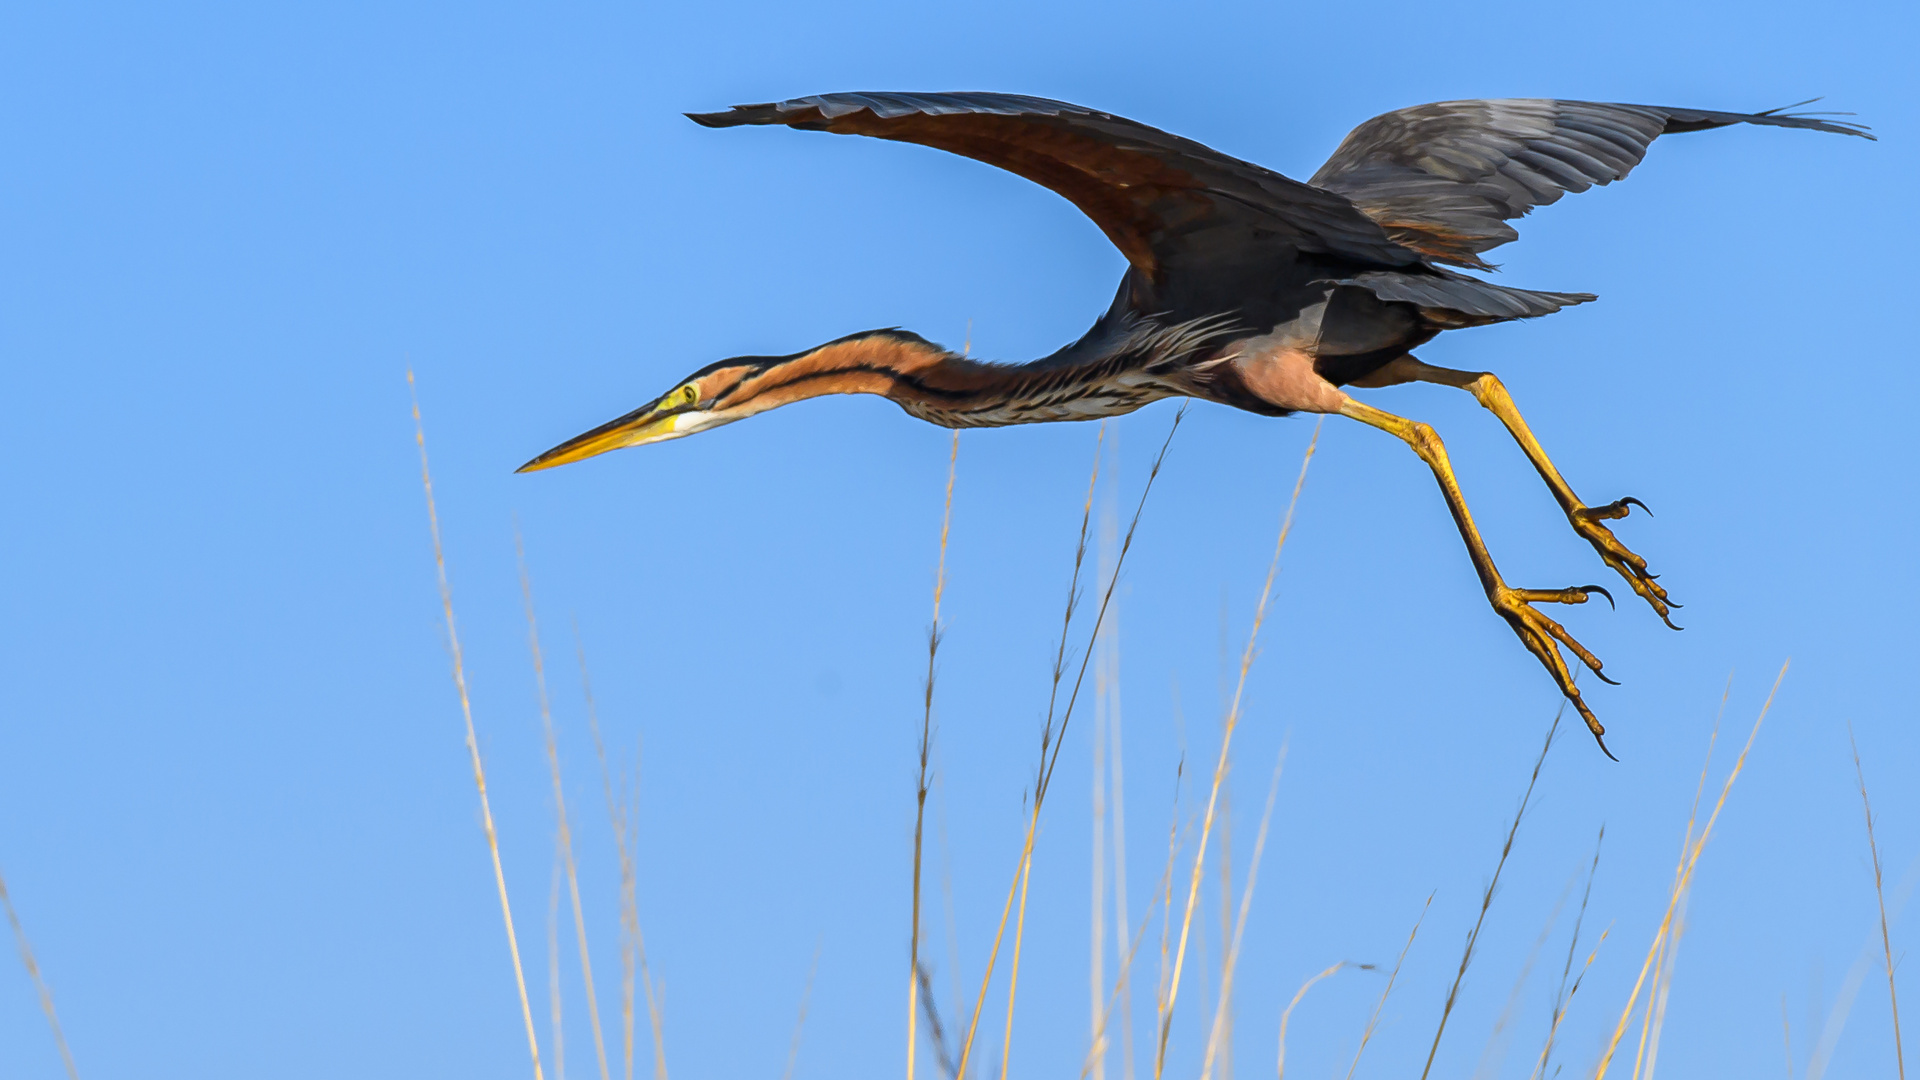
column 1244, row 287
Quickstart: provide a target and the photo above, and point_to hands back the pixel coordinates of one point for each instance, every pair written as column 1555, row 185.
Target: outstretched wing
column 1152, row 193
column 1444, row 179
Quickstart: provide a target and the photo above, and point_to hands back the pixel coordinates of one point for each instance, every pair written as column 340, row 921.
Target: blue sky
column 235, row 810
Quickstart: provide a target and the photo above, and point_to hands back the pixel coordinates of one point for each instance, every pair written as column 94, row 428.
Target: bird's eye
column 691, row 394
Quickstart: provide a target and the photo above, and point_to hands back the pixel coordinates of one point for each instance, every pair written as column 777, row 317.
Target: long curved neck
column 1122, row 363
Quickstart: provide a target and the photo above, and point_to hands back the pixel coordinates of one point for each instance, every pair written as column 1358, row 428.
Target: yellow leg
column 1537, row 632
column 1586, row 520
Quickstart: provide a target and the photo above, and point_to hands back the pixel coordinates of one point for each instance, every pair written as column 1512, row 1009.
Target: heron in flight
column 1243, row 287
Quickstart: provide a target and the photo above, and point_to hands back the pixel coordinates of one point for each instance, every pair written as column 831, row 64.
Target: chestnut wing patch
column 1152, row 193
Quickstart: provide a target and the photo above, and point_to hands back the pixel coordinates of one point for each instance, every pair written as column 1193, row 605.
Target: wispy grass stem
column 1493, row 883
column 1880, row 894
column 473, row 743
column 1692, row 861
column 1220, row 767
column 39, row 982
column 926, row 745
column 563, row 823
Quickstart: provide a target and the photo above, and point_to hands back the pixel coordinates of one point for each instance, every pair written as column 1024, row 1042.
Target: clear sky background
column 236, row 814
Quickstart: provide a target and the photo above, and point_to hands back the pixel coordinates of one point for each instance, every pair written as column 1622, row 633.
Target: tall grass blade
column 1286, row 1016
column 473, row 743
column 1486, row 898
column 1373, row 1018
column 800, row 1022
column 1692, row 861
column 556, row 1021
column 1220, row 767
column 1230, row 959
column 565, row 825
column 1880, row 894
column 39, row 983
column 633, row 945
column 1048, row 763
column 1563, row 996
column 926, row 742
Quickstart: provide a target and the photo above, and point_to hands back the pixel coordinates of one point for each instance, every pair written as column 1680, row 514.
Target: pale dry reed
column 633, row 952
column 1685, row 878
column 39, row 982
column 563, row 824
column 1044, row 777
column 1563, row 997
column 1222, row 1035
column 1286, row 1016
column 473, row 743
column 1880, row 894
column 1486, row 898
column 1373, row 1018
column 800, row 1022
column 926, row 743
column 1231, row 721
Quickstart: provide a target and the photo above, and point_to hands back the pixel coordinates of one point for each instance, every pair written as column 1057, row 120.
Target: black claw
column 1669, row 623
column 1603, row 747
column 1631, row 501
column 1602, row 676
column 1671, row 604
column 1602, row 592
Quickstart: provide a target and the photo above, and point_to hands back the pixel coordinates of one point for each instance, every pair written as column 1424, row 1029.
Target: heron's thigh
column 1285, row 377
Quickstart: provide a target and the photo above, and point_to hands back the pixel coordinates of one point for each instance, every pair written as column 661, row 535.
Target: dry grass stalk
column 1786, row 1035
column 1560, row 1014
column 1230, row 958
column 1880, row 894
column 1118, row 802
column 633, row 951
column 1655, row 1012
column 563, row 824
column 1162, row 999
column 39, row 984
column 1563, row 996
column 1373, row 1019
column 1664, row 979
column 1096, row 920
column 1106, row 701
column 473, row 743
column 800, row 1022
column 1286, row 1016
column 1493, row 1055
column 1127, row 956
column 556, row 1021
column 1026, row 851
column 1047, row 739
column 1486, row 898
column 1680, row 886
column 936, row 1030
column 926, row 744
column 1044, row 779
column 1220, row 767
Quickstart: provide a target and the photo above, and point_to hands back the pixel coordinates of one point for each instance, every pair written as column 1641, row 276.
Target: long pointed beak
column 649, row 423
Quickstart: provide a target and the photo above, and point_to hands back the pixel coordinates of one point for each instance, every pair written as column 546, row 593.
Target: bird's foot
column 1543, row 638
column 1587, row 522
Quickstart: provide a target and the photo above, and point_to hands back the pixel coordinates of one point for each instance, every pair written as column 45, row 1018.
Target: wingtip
column 767, row 113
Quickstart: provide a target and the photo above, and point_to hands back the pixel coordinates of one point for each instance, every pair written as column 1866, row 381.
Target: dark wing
column 1444, row 179
column 1152, row 193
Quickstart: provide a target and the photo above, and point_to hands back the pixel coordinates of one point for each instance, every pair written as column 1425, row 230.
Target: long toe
column 1544, row 637
column 1587, row 522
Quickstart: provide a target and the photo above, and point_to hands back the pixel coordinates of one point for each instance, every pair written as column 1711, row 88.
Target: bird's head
column 864, row 363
